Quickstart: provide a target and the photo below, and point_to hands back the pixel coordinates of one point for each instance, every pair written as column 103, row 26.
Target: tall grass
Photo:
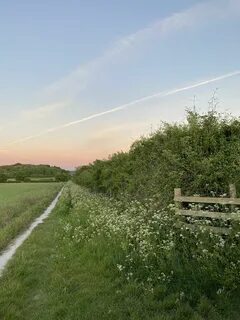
column 153, row 251
column 96, row 257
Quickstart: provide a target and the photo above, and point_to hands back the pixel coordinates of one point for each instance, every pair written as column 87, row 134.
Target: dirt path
column 8, row 253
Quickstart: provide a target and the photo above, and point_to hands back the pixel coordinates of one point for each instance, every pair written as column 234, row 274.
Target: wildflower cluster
column 155, row 250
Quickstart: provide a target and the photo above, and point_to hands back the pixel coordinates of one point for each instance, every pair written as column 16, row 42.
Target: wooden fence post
column 233, row 194
column 231, row 201
column 178, row 193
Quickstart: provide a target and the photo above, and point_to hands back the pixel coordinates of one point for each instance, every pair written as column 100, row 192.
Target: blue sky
column 61, row 61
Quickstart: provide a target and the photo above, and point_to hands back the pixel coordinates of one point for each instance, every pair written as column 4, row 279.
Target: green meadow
column 20, row 203
column 98, row 258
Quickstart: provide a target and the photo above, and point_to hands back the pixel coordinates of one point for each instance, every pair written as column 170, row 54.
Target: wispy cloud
column 3, row 151
column 43, row 111
column 116, row 130
column 34, row 114
column 126, row 106
column 67, row 88
column 197, row 15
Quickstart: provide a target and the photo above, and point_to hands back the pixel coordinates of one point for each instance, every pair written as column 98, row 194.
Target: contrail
column 127, row 105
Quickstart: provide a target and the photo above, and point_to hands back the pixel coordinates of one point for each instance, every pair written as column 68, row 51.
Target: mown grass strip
column 27, row 203
column 49, row 279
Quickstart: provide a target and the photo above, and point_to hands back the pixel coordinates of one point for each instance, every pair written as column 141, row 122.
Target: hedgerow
column 131, row 206
column 201, row 155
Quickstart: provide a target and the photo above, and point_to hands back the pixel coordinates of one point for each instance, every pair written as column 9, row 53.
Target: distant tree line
column 26, row 172
column 201, row 155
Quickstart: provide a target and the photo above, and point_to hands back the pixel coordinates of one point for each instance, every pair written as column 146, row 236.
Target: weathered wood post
column 177, row 193
column 233, row 194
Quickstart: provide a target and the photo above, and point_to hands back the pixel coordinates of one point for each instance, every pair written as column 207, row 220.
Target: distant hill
column 31, row 172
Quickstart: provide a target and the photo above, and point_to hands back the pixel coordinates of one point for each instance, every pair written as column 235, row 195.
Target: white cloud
column 69, row 86
column 34, row 114
column 120, row 130
column 197, row 15
column 42, row 111
column 4, row 151
column 127, row 106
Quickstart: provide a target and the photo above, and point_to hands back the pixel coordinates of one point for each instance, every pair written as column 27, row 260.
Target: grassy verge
column 71, row 268
column 20, row 204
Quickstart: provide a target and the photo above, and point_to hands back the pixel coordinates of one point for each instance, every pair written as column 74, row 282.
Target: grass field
column 43, row 179
column 81, row 265
column 20, row 203
column 34, row 179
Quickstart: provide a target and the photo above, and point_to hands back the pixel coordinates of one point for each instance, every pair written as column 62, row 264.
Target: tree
column 3, row 177
column 20, row 176
column 62, row 177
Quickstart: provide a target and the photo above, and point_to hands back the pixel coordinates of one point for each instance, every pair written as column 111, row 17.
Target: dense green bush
column 200, row 155
column 3, row 177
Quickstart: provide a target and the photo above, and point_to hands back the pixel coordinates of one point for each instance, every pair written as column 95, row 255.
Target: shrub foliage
column 200, row 155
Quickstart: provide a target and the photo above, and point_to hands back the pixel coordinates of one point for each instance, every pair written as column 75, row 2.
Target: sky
column 80, row 80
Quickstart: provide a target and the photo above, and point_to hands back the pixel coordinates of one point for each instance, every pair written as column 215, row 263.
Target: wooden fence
column 233, row 201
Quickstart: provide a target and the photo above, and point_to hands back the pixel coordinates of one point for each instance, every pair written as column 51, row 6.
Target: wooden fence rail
column 233, row 201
